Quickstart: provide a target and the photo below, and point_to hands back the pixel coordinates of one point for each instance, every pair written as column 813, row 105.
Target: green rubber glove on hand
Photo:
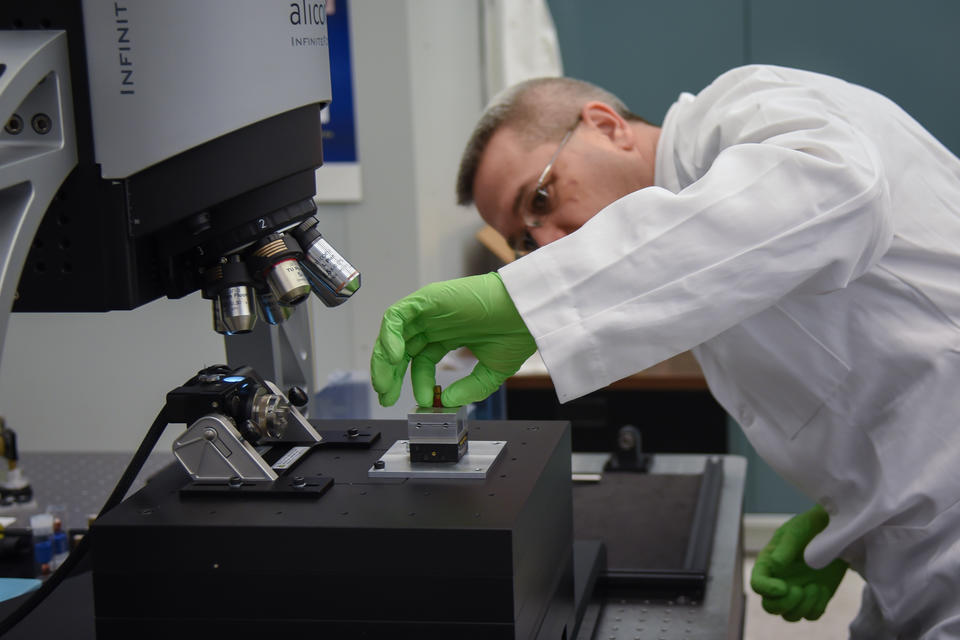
column 474, row 312
column 788, row 586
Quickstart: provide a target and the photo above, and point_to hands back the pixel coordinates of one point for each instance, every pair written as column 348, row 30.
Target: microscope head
column 194, row 163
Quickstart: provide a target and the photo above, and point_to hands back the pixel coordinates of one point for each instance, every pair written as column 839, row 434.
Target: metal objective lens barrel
column 287, row 282
column 333, row 279
column 271, row 311
column 282, row 271
column 234, row 306
column 237, row 309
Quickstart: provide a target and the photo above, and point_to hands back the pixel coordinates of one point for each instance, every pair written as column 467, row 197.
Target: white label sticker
column 290, row 458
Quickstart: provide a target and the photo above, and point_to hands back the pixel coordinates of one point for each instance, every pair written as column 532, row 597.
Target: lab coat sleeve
column 784, row 197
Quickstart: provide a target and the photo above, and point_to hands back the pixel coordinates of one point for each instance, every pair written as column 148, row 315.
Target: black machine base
column 372, row 557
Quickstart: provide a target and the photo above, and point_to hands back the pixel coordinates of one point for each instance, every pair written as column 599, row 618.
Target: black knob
column 297, row 396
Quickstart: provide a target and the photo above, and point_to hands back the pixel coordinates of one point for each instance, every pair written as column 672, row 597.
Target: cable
column 119, row 492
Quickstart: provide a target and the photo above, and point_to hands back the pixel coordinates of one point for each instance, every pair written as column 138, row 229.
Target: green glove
column 788, row 586
column 474, row 312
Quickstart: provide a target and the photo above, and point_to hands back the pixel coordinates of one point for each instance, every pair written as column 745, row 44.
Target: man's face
column 591, row 171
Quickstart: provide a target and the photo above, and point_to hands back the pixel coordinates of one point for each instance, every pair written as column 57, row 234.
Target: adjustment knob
column 297, row 396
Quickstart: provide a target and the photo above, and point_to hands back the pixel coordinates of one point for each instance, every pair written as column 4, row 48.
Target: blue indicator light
column 232, row 379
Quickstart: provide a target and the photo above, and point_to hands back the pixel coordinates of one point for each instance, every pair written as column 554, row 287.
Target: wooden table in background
column 680, row 373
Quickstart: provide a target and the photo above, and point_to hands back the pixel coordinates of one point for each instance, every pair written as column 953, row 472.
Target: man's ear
column 605, row 119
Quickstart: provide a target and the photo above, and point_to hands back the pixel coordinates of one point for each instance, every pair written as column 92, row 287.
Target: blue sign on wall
column 339, row 133
column 338, row 179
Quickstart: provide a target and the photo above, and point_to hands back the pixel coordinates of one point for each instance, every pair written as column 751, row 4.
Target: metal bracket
column 353, row 437
column 212, row 449
column 302, row 487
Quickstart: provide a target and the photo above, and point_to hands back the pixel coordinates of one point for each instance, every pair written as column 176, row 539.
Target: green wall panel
column 647, row 52
column 908, row 51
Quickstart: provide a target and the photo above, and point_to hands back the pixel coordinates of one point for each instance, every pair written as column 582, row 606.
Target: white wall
column 445, row 64
column 417, row 76
column 94, row 382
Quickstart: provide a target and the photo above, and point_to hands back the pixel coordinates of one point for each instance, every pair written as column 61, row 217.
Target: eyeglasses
column 539, row 206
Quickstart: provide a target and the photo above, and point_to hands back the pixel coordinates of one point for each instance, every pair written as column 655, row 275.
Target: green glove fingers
column 474, row 312
column 809, row 595
column 389, row 359
column 764, row 584
column 831, row 577
column 788, row 586
column 796, row 534
column 423, row 372
column 391, row 340
column 825, row 595
column 389, row 377
column 476, row 386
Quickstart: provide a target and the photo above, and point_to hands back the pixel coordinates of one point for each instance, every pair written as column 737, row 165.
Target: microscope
column 153, row 149
column 133, row 169
column 141, row 169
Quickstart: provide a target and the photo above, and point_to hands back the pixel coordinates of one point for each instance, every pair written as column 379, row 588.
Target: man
column 802, row 236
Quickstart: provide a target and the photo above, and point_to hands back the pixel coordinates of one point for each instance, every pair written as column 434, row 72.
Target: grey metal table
column 721, row 613
column 75, row 485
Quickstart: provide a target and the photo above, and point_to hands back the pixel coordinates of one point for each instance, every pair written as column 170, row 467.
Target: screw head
column 14, row 125
column 41, row 123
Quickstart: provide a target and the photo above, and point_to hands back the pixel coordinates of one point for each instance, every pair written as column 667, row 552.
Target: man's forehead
column 506, row 140
column 504, row 166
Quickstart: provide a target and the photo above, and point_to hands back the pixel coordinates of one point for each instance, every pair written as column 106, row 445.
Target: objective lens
column 333, row 279
column 276, row 262
column 287, row 282
column 322, row 289
column 230, row 286
column 237, row 309
column 271, row 311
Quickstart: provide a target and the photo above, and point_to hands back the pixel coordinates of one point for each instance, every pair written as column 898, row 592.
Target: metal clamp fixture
column 437, row 434
column 235, row 417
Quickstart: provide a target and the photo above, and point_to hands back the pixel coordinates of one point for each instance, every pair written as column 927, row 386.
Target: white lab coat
column 803, row 237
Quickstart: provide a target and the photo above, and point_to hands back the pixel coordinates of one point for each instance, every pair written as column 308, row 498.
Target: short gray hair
column 540, row 110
